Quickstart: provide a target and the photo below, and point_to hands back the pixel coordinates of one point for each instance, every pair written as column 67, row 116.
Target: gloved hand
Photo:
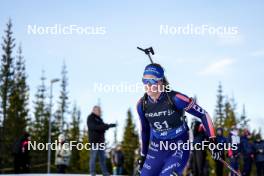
column 140, row 164
column 216, row 154
column 111, row 125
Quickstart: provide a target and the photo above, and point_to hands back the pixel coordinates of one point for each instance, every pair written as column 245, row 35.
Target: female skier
column 162, row 122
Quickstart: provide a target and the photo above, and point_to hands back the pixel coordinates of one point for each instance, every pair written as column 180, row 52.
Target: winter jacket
column 259, row 151
column 246, row 147
column 234, row 139
column 96, row 129
column 62, row 155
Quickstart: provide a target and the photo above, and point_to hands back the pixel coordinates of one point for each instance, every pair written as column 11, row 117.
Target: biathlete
column 161, row 115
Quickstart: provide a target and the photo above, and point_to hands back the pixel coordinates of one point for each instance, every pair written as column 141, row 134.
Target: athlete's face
column 153, row 89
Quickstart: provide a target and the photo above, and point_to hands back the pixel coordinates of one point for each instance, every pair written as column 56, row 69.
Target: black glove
column 216, row 154
column 140, row 163
column 111, row 125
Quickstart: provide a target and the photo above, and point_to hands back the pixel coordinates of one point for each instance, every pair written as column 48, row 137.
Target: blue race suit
column 160, row 123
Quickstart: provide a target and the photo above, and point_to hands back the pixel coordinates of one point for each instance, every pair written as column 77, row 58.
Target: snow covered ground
column 45, row 174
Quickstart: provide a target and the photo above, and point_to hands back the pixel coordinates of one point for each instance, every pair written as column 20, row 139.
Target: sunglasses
column 151, row 81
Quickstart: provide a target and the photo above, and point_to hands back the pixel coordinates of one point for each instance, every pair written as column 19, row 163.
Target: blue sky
column 194, row 64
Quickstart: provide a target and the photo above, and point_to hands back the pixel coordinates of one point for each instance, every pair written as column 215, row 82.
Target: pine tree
column 6, row 83
column 41, row 113
column 17, row 118
column 74, row 135
column 219, row 110
column 23, row 88
column 40, row 124
column 129, row 143
column 63, row 100
column 7, row 70
column 243, row 119
column 230, row 116
column 84, row 154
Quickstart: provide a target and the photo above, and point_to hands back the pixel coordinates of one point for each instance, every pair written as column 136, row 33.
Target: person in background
column 233, row 154
column 62, row 155
column 118, row 161
column 21, row 154
column 199, row 162
column 259, row 155
column 96, row 133
column 136, row 158
column 222, row 140
column 247, row 152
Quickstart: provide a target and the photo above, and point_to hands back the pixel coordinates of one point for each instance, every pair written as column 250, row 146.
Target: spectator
column 62, row 156
column 259, row 155
column 198, row 161
column 136, row 158
column 118, row 161
column 96, row 130
column 247, row 152
column 222, row 140
column 233, row 154
column 21, row 154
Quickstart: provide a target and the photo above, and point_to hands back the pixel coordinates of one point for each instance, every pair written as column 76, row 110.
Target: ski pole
column 229, row 167
column 148, row 51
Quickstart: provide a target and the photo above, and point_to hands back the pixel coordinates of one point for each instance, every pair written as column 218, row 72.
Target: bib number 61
column 159, row 125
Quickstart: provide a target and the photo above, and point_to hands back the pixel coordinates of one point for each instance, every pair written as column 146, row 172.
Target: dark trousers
column 260, row 168
column 21, row 164
column 234, row 162
column 199, row 163
column 61, row 169
column 247, row 165
column 219, row 168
